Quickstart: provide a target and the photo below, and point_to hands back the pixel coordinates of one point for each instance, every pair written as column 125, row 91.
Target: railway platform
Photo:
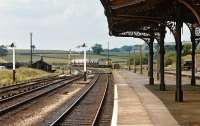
column 135, row 105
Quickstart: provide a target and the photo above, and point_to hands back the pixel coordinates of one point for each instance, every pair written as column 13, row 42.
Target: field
column 60, row 58
column 57, row 58
column 21, row 74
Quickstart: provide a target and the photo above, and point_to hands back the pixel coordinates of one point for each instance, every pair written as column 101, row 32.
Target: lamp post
column 14, row 72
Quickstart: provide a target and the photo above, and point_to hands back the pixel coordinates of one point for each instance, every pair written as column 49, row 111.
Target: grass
column 21, row 74
column 56, row 58
column 61, row 58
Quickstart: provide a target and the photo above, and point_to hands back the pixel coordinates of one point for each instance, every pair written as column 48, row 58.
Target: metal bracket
column 193, row 33
column 172, row 27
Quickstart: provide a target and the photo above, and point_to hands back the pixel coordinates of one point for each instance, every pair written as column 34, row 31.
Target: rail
column 87, row 95
column 14, row 104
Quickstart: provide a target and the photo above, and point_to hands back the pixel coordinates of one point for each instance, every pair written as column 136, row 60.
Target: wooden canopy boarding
column 148, row 19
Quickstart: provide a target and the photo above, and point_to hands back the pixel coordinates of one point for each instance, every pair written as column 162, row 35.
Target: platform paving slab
column 137, row 106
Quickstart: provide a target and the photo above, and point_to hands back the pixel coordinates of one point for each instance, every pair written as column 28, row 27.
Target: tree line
column 3, row 51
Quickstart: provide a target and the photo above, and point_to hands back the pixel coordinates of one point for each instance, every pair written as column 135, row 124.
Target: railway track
column 105, row 115
column 10, row 103
column 16, row 91
column 27, row 83
column 85, row 109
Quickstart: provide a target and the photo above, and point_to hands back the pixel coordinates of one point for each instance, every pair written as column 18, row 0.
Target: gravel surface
column 36, row 112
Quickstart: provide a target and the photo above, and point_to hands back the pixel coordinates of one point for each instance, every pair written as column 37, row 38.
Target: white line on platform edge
column 115, row 108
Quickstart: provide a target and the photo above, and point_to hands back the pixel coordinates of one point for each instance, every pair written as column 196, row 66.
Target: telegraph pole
column 31, row 49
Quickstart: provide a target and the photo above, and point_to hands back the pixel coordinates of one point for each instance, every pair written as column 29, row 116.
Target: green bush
column 170, row 58
column 186, row 49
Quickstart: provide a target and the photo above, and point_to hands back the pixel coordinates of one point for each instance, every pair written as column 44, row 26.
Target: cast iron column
column 162, row 57
column 193, row 80
column 151, row 79
column 158, row 65
column 179, row 24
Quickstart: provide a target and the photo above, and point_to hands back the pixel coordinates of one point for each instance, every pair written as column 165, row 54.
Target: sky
column 59, row 24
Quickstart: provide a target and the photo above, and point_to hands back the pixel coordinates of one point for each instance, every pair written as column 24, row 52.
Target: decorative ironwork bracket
column 146, row 40
column 194, row 34
column 172, row 27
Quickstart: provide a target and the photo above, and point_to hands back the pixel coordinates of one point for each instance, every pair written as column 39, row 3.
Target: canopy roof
column 144, row 15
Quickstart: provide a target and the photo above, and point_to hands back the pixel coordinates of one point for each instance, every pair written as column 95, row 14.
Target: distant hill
column 173, row 43
column 27, row 51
